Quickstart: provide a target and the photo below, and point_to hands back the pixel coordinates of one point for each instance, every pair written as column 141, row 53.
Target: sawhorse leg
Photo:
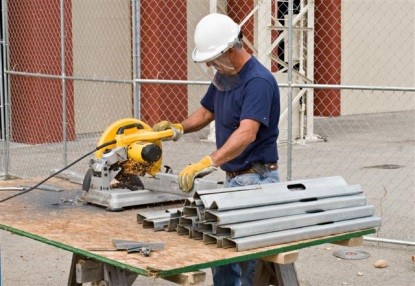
column 85, row 270
column 277, row 270
column 280, row 270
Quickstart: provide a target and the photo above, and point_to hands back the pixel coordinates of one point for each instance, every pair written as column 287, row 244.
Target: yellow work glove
column 165, row 125
column 187, row 175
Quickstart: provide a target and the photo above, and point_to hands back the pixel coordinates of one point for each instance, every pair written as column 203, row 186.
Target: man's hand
column 199, row 169
column 176, row 127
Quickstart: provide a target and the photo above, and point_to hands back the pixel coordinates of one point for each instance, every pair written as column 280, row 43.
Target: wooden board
column 61, row 219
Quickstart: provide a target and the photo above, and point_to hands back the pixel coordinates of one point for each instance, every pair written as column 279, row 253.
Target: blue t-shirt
column 256, row 97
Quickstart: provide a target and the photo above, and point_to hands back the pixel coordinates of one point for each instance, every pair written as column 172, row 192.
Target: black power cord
column 61, row 170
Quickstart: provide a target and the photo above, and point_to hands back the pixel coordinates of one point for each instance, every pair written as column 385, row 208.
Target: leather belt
column 270, row 167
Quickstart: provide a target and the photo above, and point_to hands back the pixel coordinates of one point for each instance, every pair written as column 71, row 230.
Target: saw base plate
column 118, row 199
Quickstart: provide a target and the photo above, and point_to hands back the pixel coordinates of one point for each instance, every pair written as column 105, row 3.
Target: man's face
column 222, row 64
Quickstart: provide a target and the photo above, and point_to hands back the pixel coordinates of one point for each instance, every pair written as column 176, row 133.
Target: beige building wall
column 101, row 49
column 376, row 51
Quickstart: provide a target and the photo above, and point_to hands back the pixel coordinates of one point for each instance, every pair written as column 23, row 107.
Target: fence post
column 6, row 96
column 290, row 91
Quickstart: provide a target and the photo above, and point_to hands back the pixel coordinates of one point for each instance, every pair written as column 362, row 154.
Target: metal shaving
column 69, row 202
column 135, row 168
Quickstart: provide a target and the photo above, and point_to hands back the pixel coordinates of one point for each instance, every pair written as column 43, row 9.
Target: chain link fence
column 345, row 68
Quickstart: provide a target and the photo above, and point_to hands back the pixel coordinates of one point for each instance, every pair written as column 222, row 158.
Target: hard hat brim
column 200, row 57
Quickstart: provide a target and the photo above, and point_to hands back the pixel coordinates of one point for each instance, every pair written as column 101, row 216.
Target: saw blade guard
column 142, row 143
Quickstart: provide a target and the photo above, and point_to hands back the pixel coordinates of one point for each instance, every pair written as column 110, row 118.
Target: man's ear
column 231, row 53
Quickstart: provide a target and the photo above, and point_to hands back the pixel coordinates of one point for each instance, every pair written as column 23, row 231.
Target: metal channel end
column 171, row 225
column 157, row 224
column 188, row 221
column 182, row 230
column 213, row 239
column 141, row 216
column 196, row 234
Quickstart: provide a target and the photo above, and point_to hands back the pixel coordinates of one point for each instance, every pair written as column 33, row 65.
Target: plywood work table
column 62, row 220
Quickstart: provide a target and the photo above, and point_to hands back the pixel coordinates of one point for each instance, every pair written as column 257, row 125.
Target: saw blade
column 129, row 181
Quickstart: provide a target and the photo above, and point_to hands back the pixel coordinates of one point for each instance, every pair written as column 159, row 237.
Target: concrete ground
column 356, row 147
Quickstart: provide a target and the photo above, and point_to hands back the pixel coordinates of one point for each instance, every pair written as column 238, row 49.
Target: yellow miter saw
column 127, row 171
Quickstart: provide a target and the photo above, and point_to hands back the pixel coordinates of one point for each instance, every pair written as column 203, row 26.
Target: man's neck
column 241, row 57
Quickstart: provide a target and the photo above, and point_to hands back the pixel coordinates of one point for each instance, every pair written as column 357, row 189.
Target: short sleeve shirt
column 256, row 97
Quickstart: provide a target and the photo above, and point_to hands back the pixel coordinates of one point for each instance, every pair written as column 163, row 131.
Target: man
column 244, row 102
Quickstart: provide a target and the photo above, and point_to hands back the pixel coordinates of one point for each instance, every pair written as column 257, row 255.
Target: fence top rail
column 202, row 82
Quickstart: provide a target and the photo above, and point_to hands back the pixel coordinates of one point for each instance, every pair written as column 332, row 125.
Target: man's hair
column 238, row 43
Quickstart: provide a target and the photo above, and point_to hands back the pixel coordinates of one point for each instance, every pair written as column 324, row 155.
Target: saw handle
column 129, row 126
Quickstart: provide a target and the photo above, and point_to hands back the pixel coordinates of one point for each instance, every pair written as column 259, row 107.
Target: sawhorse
column 280, row 270
column 272, row 270
column 276, row 269
column 85, row 270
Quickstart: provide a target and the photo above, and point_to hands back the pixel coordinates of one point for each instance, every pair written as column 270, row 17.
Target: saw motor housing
column 137, row 151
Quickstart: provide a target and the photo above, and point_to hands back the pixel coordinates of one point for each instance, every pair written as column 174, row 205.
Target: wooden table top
column 63, row 220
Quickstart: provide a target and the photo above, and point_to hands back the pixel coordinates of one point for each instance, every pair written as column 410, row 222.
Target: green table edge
column 299, row 245
column 154, row 272
column 75, row 250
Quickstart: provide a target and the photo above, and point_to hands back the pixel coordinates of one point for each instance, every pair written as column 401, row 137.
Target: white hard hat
column 214, row 35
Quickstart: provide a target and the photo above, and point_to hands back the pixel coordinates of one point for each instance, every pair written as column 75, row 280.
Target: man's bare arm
column 197, row 120
column 237, row 142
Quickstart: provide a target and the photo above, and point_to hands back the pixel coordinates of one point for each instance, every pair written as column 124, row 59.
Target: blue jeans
column 242, row 273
